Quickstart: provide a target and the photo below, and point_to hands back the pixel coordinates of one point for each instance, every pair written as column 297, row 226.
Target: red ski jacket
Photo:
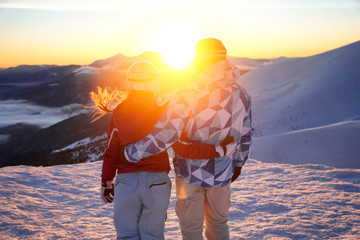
column 132, row 120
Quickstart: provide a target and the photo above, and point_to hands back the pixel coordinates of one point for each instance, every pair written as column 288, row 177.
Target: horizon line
column 148, row 51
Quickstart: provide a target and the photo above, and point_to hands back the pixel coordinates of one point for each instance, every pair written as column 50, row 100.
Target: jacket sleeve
column 166, row 132
column 246, row 135
column 111, row 153
column 194, row 150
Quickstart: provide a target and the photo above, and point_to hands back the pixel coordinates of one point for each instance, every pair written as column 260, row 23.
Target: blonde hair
column 105, row 101
column 142, row 75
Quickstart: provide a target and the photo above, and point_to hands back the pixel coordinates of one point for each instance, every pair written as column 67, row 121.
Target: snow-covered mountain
column 16, row 82
column 308, row 108
column 121, row 61
column 244, row 63
column 289, row 94
column 48, row 146
column 299, row 93
column 34, row 98
column 42, row 110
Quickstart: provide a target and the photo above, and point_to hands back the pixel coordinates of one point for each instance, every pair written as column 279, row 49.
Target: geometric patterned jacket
column 214, row 107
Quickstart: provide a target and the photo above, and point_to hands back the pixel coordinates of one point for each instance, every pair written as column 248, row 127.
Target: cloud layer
column 16, row 111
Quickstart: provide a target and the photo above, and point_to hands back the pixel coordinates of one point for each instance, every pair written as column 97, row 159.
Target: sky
column 81, row 31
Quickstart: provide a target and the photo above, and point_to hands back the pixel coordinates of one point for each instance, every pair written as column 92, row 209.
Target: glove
column 107, row 191
column 236, row 174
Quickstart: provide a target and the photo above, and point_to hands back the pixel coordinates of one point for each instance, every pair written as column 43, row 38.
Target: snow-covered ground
column 270, row 201
column 336, row 145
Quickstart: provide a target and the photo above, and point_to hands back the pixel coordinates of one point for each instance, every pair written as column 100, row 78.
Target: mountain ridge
column 288, row 94
column 305, row 92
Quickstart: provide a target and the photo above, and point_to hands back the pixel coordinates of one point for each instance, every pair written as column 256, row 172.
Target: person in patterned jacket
column 212, row 109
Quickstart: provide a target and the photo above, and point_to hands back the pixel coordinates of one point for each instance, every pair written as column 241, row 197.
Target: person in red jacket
column 141, row 190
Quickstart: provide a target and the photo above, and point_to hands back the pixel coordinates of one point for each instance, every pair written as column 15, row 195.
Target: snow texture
column 86, row 70
column 335, row 145
column 269, row 201
column 80, row 143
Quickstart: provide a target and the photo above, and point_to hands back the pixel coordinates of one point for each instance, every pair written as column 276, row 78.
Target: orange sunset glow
column 80, row 32
column 175, row 41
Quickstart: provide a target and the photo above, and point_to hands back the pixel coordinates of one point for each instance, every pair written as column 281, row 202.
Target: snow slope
column 247, row 63
column 308, row 109
column 270, row 201
column 300, row 93
column 335, row 145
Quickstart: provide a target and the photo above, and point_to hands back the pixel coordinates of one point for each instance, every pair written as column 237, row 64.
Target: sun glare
column 176, row 41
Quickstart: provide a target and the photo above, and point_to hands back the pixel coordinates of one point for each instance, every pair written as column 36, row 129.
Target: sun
column 175, row 40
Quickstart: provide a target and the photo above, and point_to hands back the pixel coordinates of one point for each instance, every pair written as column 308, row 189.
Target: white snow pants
column 140, row 205
column 194, row 203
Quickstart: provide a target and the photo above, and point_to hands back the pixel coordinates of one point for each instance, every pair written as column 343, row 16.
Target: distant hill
column 37, row 147
column 121, row 61
column 27, row 75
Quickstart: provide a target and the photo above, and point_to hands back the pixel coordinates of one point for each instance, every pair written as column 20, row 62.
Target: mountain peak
column 122, row 61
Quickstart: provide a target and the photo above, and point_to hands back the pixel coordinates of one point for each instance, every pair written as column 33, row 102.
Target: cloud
column 86, row 70
column 16, row 111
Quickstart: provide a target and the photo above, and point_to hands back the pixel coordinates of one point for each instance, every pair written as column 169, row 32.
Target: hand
column 107, row 191
column 236, row 174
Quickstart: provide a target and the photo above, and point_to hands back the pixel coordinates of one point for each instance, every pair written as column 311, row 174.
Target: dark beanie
column 210, row 47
